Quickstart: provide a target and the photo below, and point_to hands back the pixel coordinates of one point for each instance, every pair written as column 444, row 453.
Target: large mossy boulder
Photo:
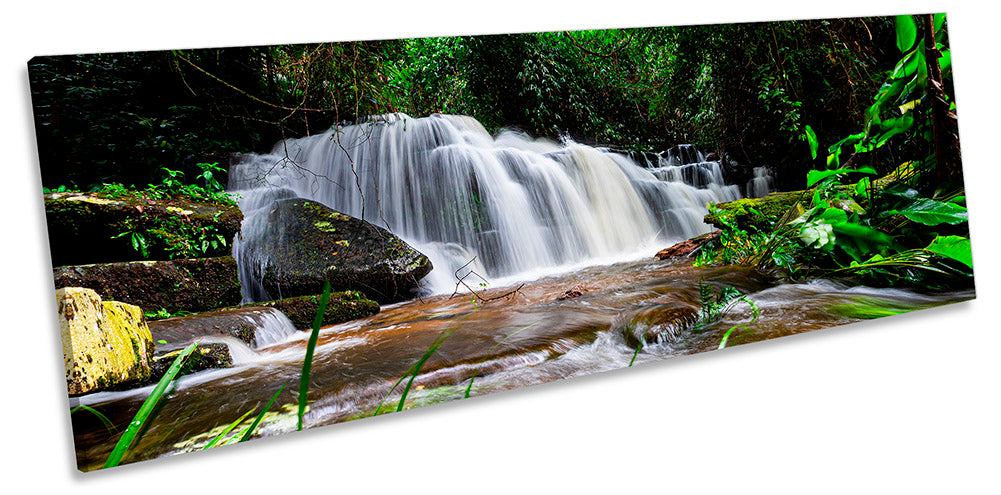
column 341, row 307
column 756, row 212
column 101, row 228
column 189, row 285
column 308, row 243
column 106, row 344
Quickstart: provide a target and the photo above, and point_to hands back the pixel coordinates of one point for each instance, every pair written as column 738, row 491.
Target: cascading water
column 520, row 207
column 761, row 184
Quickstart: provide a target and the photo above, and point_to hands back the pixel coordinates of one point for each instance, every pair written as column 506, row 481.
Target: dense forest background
column 746, row 89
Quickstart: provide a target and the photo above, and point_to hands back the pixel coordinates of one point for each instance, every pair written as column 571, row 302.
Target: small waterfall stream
column 521, row 207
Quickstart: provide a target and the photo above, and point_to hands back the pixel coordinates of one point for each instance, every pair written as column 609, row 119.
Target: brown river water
column 530, row 338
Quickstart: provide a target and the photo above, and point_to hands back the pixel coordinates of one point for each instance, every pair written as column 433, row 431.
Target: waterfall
column 518, row 205
column 761, row 184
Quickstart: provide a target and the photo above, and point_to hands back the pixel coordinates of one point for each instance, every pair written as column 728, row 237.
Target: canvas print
column 253, row 241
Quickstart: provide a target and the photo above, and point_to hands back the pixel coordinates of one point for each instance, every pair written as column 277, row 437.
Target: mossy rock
column 204, row 357
column 308, row 243
column 769, row 209
column 106, row 344
column 342, row 307
column 97, row 228
column 189, row 285
column 237, row 322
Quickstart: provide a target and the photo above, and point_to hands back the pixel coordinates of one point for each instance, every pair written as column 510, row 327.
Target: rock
column 262, row 323
column 204, row 357
column 687, row 249
column 190, row 285
column 661, row 322
column 98, row 228
column 105, row 344
column 308, row 243
column 240, row 323
column 341, row 307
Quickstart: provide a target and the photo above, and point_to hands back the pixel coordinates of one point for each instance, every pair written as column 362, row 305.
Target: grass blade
column 257, row 420
column 104, row 419
column 226, row 430
column 420, row 363
column 147, row 407
column 726, row 336
column 307, row 362
column 639, row 346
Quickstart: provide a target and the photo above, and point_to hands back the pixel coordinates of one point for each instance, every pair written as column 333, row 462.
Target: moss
column 325, row 226
column 768, row 208
column 89, row 227
column 342, row 307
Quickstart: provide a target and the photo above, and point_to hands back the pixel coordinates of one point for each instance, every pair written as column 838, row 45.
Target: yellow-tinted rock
column 104, row 343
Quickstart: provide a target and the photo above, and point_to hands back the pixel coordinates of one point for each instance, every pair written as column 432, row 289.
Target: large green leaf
column 811, row 138
column 862, row 232
column 953, row 246
column 907, row 66
column 945, row 61
column 815, row 176
column 930, row 212
column 907, row 32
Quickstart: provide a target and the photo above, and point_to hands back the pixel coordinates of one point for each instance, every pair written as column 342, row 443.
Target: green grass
column 307, row 362
column 136, row 425
column 414, row 371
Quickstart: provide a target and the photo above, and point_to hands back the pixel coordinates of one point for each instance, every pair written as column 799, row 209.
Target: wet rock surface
column 308, row 243
column 341, row 307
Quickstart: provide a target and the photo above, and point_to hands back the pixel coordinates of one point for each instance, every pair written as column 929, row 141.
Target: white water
column 761, row 184
column 521, row 207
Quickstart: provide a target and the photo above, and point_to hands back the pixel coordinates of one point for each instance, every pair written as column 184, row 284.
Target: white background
column 906, row 404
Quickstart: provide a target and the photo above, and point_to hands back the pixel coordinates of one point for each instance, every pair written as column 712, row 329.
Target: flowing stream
column 553, row 217
column 505, row 344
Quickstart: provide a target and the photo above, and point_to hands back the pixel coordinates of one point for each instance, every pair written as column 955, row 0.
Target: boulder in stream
column 189, row 285
column 341, row 307
column 204, row 357
column 307, row 243
column 106, row 344
column 242, row 323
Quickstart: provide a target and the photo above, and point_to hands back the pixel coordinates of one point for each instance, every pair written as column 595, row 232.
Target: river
column 528, row 338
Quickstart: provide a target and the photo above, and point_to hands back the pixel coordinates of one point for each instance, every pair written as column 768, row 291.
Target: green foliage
column 954, row 247
column 894, row 230
column 162, row 314
column 716, row 304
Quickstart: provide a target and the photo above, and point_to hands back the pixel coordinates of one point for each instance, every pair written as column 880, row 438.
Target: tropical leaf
column 953, row 246
column 931, row 212
column 815, row 176
column 811, row 138
column 907, row 32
